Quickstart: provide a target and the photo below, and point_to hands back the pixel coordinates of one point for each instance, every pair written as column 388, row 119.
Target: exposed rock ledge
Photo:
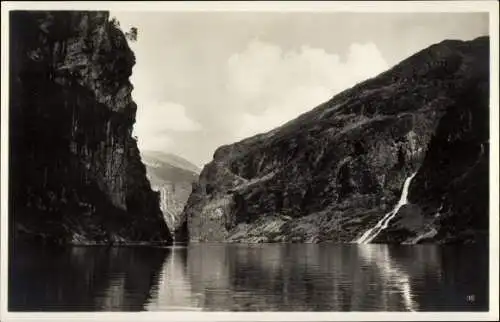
column 333, row 172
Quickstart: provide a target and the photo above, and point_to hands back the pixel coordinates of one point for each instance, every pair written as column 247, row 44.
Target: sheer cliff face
column 75, row 171
column 334, row 172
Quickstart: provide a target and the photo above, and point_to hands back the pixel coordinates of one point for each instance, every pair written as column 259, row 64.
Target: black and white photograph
column 181, row 159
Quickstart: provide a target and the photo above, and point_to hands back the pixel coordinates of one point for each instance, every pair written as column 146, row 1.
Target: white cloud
column 155, row 119
column 271, row 86
column 185, row 58
column 281, row 110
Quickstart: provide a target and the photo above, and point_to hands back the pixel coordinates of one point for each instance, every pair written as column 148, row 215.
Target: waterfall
column 167, row 206
column 373, row 232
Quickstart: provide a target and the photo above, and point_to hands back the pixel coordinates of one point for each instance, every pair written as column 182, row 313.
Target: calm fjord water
column 263, row 277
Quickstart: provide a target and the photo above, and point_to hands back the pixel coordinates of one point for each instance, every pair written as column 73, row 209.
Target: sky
column 206, row 79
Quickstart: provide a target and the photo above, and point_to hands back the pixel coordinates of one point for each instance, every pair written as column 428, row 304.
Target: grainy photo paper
column 242, row 161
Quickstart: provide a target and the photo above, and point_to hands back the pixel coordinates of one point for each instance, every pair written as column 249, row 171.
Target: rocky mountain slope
column 334, row 172
column 75, row 171
column 173, row 177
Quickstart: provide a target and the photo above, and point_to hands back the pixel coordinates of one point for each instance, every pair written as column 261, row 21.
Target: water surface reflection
column 83, row 278
column 263, row 277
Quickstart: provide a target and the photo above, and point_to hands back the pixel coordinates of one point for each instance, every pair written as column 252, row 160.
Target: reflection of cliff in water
column 259, row 277
column 409, row 274
column 83, row 278
column 395, row 283
column 329, row 277
column 282, row 277
column 174, row 292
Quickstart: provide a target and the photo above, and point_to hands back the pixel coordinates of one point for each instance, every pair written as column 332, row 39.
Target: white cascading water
column 373, row 232
column 166, row 202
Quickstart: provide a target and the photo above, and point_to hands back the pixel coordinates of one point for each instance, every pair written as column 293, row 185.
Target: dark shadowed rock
column 75, row 171
column 333, row 172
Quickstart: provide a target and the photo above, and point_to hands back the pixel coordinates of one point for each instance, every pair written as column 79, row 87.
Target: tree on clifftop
column 132, row 34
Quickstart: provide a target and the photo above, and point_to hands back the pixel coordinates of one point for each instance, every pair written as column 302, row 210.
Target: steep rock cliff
column 335, row 171
column 75, row 171
column 173, row 177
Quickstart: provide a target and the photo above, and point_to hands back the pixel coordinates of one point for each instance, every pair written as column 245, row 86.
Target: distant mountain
column 158, row 157
column 172, row 176
column 404, row 153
